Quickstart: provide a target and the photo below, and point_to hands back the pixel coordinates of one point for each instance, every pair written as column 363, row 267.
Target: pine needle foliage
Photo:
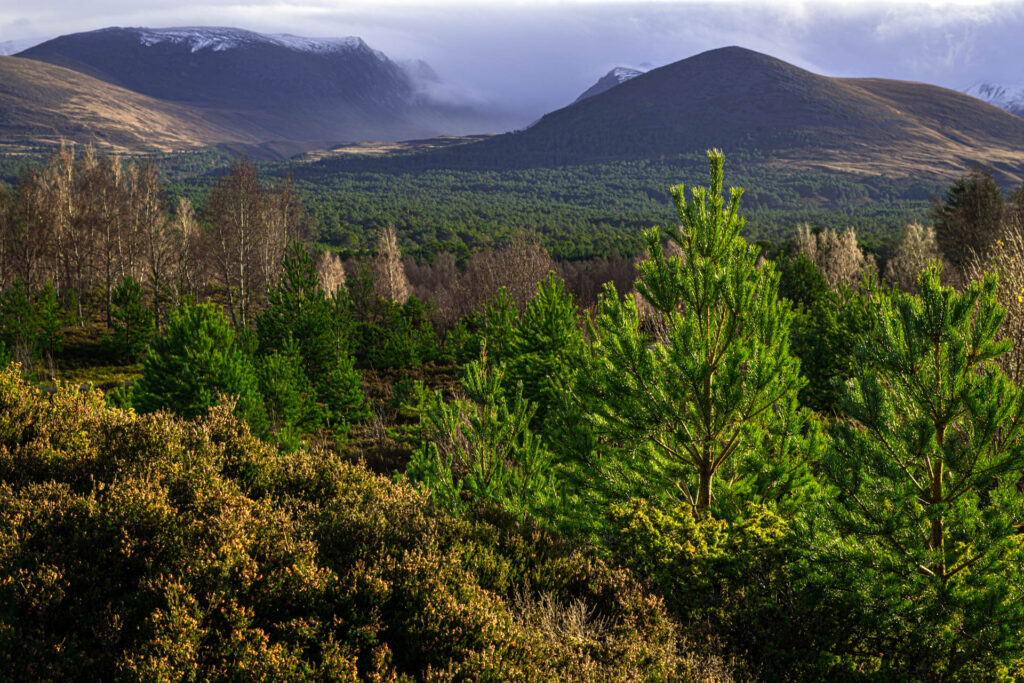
column 926, row 469
column 711, row 407
column 481, row 447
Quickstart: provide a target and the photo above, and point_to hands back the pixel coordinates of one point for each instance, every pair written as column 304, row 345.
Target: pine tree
column 298, row 309
column 546, row 346
column 131, row 321
column 713, row 406
column 196, row 363
column 926, row 468
column 482, row 445
column 969, row 218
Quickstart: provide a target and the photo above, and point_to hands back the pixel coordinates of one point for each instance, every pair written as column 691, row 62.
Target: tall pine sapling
column 926, row 468
column 481, row 447
column 546, row 346
column 710, row 408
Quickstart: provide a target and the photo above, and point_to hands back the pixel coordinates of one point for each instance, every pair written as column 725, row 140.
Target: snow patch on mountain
column 616, row 76
column 1008, row 97
column 220, row 39
column 624, row 73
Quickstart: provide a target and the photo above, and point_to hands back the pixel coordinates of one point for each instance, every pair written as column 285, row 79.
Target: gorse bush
column 146, row 547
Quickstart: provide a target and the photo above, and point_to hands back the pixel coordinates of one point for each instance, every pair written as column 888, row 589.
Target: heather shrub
column 148, row 547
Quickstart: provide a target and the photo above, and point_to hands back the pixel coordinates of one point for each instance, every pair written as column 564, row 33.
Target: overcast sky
column 539, row 55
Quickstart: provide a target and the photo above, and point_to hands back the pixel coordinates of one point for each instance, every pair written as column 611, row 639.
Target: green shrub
column 481, row 447
column 146, row 547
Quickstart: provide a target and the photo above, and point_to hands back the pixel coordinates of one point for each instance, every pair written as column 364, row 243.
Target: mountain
column 746, row 102
column 10, row 47
column 1008, row 97
column 288, row 87
column 616, row 76
column 44, row 103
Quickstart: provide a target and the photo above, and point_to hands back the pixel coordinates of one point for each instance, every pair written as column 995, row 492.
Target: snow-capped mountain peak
column 219, row 39
column 616, row 76
column 1008, row 97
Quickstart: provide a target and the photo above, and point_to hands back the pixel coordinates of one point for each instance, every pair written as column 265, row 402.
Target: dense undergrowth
column 148, row 547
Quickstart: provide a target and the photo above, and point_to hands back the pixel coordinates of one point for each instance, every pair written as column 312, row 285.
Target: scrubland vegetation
column 695, row 464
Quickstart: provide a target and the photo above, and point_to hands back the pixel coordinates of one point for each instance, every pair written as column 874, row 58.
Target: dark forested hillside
column 743, row 101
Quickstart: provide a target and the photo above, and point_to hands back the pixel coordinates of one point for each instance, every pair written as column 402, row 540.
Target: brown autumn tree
column 835, row 254
column 918, row 248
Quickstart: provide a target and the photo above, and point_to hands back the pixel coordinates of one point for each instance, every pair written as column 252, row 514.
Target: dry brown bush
column 917, row 249
column 835, row 254
column 1006, row 259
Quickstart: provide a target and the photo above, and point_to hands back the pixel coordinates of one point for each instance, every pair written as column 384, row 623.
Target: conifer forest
column 247, row 437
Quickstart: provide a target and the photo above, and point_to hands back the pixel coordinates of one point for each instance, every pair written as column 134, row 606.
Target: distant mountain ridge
column 1008, row 97
column 286, row 87
column 617, row 76
column 770, row 112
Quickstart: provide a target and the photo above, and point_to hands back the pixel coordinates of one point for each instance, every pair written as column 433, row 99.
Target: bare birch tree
column 390, row 282
column 918, row 248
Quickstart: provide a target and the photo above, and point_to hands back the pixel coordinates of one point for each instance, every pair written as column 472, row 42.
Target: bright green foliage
column 827, row 328
column 31, row 325
column 288, row 395
column 149, row 548
column 482, row 446
column 402, row 336
column 710, row 407
column 130, row 320
column 491, row 328
column 196, row 363
column 926, row 469
column 321, row 325
column 501, row 315
column 546, row 346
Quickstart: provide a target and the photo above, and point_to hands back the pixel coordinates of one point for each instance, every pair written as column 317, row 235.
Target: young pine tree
column 927, row 467
column 482, row 446
column 194, row 364
column 546, row 346
column 131, row 321
column 320, row 325
column 711, row 408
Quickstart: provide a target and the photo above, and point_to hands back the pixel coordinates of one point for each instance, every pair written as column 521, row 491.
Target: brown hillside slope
column 40, row 102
